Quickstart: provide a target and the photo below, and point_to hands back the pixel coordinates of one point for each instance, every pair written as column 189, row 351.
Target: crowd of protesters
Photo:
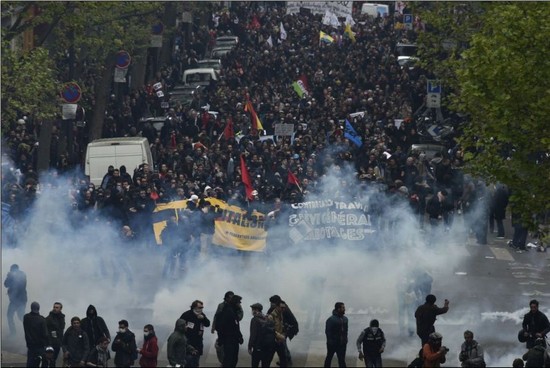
column 195, row 155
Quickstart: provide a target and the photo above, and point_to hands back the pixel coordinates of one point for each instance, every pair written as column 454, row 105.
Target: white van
column 199, row 76
column 375, row 9
column 128, row 151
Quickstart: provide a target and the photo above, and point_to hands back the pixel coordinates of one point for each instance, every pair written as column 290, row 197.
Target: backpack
column 266, row 333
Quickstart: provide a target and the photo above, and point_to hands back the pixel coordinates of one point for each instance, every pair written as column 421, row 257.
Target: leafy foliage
column 497, row 72
column 29, row 86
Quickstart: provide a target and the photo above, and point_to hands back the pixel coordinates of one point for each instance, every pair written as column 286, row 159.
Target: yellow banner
column 242, row 238
column 233, row 227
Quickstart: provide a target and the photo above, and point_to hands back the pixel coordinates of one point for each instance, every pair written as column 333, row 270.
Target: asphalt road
column 491, row 292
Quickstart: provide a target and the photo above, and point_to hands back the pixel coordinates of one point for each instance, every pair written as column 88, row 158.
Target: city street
column 489, row 294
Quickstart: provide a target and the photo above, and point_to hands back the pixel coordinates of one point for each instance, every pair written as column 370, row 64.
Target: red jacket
column 149, row 353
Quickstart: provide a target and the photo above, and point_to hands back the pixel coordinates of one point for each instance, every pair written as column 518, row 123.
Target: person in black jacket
column 426, row 315
column 16, row 283
column 55, row 323
column 76, row 345
column 36, row 335
column 94, row 326
column 535, row 324
column 124, row 346
column 196, row 321
column 229, row 331
column 374, row 342
column 336, row 330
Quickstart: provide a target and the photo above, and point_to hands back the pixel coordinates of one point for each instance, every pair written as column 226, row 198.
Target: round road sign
column 123, row 59
column 71, row 92
column 157, row 29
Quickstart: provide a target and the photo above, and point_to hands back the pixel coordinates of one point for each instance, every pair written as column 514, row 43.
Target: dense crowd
column 194, row 155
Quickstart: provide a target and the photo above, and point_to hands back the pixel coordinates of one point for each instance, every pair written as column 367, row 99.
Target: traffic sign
column 157, row 29
column 123, row 59
column 71, row 93
column 408, row 21
column 433, row 100
column 433, row 86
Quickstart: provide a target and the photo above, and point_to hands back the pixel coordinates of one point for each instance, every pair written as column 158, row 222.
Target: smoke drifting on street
column 83, row 263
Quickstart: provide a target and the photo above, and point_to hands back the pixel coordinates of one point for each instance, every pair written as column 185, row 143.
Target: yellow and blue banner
column 234, row 227
column 323, row 37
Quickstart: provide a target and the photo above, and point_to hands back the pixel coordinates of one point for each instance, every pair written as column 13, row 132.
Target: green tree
column 29, row 85
column 497, row 73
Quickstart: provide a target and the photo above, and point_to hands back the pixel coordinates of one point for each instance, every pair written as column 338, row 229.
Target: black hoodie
column 94, row 326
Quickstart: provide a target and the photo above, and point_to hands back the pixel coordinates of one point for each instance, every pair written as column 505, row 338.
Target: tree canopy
column 497, row 74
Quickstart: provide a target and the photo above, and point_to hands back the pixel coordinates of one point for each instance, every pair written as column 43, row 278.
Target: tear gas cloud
column 80, row 263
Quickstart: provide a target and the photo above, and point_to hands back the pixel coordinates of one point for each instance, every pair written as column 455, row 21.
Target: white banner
column 156, row 41
column 338, row 8
column 120, row 75
column 68, row 111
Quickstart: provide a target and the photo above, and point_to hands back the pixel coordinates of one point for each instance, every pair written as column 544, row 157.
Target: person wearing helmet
column 433, row 351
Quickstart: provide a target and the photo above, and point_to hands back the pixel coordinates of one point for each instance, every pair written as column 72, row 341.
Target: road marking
column 536, row 293
column 501, row 254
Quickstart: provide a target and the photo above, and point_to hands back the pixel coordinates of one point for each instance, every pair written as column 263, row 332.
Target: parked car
column 406, row 49
column 224, row 41
column 219, row 52
column 407, row 61
column 215, row 64
column 156, row 121
column 200, row 76
column 430, row 149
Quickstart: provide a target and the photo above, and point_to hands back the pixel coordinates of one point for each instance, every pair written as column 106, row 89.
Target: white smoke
column 82, row 262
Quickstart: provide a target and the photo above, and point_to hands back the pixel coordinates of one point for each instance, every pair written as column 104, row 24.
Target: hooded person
column 229, row 331
column 94, row 326
column 177, row 345
column 36, row 335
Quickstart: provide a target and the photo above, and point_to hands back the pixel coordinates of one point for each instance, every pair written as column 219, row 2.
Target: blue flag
column 352, row 135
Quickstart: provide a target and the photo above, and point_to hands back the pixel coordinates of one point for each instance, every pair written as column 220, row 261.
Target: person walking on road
column 16, row 283
column 178, row 349
column 426, row 314
column 374, row 342
column 229, row 331
column 196, row 322
column 36, row 335
column 76, row 345
column 336, row 330
column 226, row 299
column 150, row 349
column 535, row 324
column 55, row 323
column 124, row 346
column 261, row 344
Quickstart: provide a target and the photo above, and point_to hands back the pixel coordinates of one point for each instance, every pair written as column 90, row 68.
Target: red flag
column 255, row 23
column 228, row 132
column 245, row 177
column 173, row 141
column 292, row 179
